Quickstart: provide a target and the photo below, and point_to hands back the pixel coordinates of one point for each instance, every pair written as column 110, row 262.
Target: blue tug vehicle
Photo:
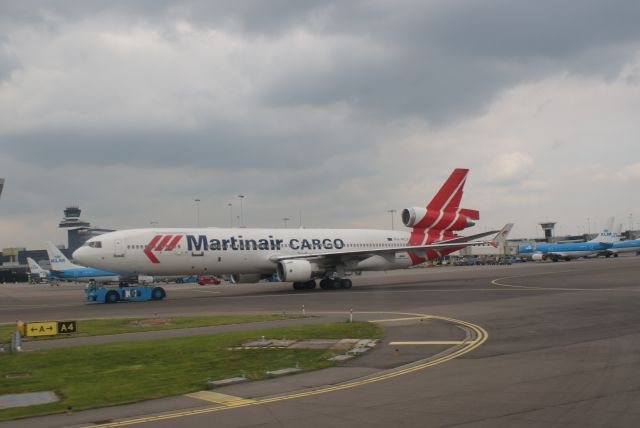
column 98, row 293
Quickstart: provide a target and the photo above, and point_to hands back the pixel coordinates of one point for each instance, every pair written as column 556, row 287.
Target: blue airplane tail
column 59, row 262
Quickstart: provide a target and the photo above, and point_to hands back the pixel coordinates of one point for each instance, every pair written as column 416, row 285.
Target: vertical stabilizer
column 450, row 194
column 59, row 261
column 607, row 235
column 35, row 268
column 502, row 235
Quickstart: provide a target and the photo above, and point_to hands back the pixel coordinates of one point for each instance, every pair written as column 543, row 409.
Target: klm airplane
column 63, row 269
column 598, row 245
column 623, row 247
column 36, row 271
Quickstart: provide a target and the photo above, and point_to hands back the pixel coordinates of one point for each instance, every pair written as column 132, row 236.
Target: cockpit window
column 95, row 244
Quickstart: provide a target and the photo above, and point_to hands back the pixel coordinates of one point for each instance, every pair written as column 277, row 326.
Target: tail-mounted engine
column 423, row 218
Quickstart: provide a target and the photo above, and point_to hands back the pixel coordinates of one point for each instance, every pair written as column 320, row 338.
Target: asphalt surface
column 563, row 349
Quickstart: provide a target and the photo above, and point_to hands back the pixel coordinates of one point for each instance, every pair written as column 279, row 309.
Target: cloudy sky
column 337, row 110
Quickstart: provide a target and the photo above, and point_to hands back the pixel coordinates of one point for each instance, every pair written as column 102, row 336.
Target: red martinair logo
column 161, row 243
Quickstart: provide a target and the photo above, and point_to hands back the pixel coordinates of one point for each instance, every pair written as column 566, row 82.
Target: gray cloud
column 443, row 59
column 225, row 147
column 448, row 59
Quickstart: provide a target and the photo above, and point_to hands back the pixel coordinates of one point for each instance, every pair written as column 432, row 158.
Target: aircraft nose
column 80, row 254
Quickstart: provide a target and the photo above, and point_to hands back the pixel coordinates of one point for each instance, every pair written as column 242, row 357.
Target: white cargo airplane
column 296, row 255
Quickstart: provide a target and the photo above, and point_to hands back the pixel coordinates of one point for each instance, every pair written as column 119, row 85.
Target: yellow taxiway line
column 401, row 319
column 218, row 398
column 435, row 342
column 480, row 334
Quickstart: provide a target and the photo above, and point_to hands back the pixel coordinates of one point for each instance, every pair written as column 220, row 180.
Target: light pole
column 197, row 201
column 391, row 212
column 230, row 214
column 241, row 213
column 285, row 220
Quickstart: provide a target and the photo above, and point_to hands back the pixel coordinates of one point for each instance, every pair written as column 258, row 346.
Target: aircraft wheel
column 298, row 286
column 345, row 283
column 310, row 285
column 615, row 255
column 111, row 297
column 325, row 283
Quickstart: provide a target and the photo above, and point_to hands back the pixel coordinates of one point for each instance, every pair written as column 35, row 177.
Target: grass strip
column 98, row 327
column 102, row 375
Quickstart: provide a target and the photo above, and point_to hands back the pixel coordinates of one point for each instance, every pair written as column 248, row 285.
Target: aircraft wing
column 461, row 242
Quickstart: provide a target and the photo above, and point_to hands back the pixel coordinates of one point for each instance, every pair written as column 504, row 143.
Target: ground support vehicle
column 187, row 279
column 205, row 280
column 98, row 293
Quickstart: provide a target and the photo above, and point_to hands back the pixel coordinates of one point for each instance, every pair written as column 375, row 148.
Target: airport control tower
column 72, row 218
column 548, row 230
column 78, row 230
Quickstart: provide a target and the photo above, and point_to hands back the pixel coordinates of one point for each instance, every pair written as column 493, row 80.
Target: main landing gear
column 325, row 284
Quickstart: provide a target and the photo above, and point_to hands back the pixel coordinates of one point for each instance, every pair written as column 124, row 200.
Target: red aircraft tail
column 442, row 216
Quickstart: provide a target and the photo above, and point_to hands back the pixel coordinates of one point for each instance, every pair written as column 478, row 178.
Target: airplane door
column 118, row 250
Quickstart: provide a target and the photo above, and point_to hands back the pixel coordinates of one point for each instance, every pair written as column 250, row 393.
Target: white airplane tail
column 501, row 236
column 35, row 268
column 58, row 260
column 607, row 235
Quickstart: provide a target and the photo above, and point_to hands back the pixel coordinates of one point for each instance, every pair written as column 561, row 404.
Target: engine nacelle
column 443, row 220
column 145, row 279
column 412, row 216
column 295, row 270
column 537, row 257
column 244, row 278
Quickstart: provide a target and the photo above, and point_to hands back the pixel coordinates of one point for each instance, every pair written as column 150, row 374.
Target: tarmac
column 528, row 345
